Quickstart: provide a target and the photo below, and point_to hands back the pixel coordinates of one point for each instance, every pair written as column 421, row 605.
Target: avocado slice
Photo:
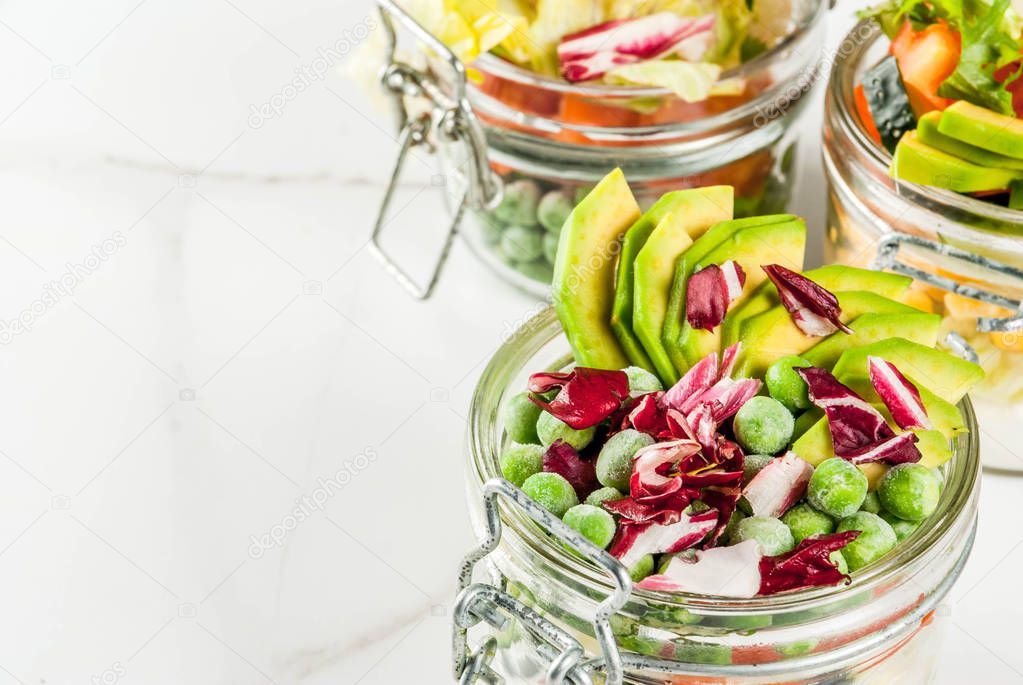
column 945, row 416
column 781, row 243
column 686, row 264
column 928, row 133
column 917, row 162
column 833, row 277
column 583, row 285
column 815, row 446
column 919, row 327
column 635, row 239
column 772, row 334
column 655, row 266
column 944, row 374
column 984, row 128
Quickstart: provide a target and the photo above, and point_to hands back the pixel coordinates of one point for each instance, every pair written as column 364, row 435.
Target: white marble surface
column 226, row 361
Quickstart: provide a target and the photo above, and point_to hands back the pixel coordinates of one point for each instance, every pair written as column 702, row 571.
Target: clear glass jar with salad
column 790, row 501
column 546, row 95
column 923, row 158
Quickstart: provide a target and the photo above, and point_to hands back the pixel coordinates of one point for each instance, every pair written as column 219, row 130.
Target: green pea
column 787, row 386
column 733, row 521
column 520, row 416
column 521, row 244
column 519, row 202
column 875, row 540
column 519, row 462
column 642, row 381
column 601, row 495
column 489, row 227
column 839, row 561
column 550, row 247
column 752, row 465
column 763, row 426
column 643, row 567
column 837, row 487
column 536, row 270
column 553, row 210
column 910, row 491
column 903, row 529
column 551, row 491
column 549, row 429
column 595, row 524
column 773, row 536
column 614, row 463
column 804, row 521
column 871, row 503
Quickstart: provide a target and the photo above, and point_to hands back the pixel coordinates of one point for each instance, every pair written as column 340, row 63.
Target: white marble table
column 232, row 447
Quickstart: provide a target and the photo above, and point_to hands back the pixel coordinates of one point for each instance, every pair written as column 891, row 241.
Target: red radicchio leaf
column 651, row 464
column 728, row 359
column 702, row 375
column 808, row 565
column 704, row 427
column 728, row 395
column 586, row 396
column 853, row 422
column 591, row 53
column 898, row 394
column 733, row 571
column 710, row 291
column 664, row 511
column 634, row 540
column 724, row 499
column 900, row 449
column 562, row 459
column 780, row 484
column 813, row 309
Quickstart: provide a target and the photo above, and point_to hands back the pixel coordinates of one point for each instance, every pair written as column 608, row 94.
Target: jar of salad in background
column 537, row 142
column 965, row 250
column 539, row 605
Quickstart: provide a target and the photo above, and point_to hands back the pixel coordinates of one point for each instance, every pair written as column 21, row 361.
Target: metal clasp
column 887, row 260
column 450, row 121
column 482, row 602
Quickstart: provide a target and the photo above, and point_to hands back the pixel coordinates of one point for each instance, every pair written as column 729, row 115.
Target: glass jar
column 548, row 602
column 966, row 254
column 545, row 142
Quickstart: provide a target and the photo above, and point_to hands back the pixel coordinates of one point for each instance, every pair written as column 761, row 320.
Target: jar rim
column 485, row 439
column 841, row 96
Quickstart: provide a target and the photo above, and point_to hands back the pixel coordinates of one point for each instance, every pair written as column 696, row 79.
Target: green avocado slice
column 983, row 128
column 927, row 131
column 772, row 334
column 781, row 243
column 920, row 327
column 583, row 285
column 833, row 277
column 917, row 162
column 684, row 267
column 655, row 266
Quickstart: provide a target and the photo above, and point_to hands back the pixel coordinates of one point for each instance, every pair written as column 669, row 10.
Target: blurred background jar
column 967, row 254
column 544, row 142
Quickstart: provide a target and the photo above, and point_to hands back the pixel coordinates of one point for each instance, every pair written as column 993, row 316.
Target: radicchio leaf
column 585, row 396
column 665, row 511
column 562, row 459
column 700, row 376
column 651, row 464
column 635, row 540
column 591, row 53
column 732, row 571
column 900, row 449
column 724, row 499
column 728, row 395
column 813, row 309
column 710, row 291
column 808, row 565
column 853, row 422
column 728, row 359
column 776, row 487
column 898, row 394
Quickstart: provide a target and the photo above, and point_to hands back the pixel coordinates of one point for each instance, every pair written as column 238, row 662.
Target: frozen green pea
column 871, row 503
column 752, row 465
column 903, row 529
column 489, row 227
column 595, row 524
column 549, row 429
column 551, row 491
column 521, row 244
column 910, row 491
column 518, row 203
column 614, row 463
column 598, row 497
column 733, row 521
column 519, row 462
column 837, row 488
column 773, row 535
column 763, row 426
column 875, row 540
column 553, row 209
column 839, row 561
column 642, row 381
column 536, row 270
column 642, row 568
column 804, row 521
column 787, row 386
column 520, row 416
column 550, row 247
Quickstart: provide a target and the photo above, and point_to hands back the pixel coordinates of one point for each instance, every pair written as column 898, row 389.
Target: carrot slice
column 926, row 58
column 865, row 116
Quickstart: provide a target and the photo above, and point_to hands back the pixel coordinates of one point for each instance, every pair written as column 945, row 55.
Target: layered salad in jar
column 733, row 425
